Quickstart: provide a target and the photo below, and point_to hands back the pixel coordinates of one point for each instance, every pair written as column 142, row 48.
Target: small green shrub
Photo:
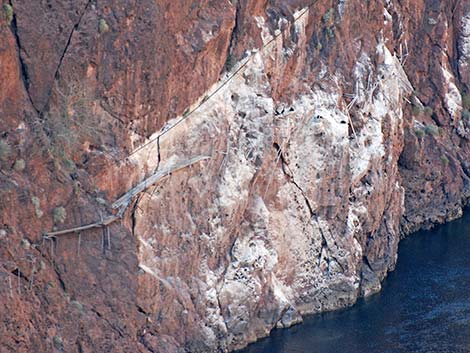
column 101, row 201
column 35, row 201
column 428, row 111
column 58, row 343
column 59, row 214
column 25, row 244
column 37, row 206
column 419, row 133
column 19, row 165
column 5, row 150
column 103, row 26
column 230, row 62
column 330, row 32
column 432, row 130
column 328, row 15
column 77, row 305
column 8, row 11
column 444, row 160
column 416, row 110
column 466, row 101
column 77, row 188
column 69, row 164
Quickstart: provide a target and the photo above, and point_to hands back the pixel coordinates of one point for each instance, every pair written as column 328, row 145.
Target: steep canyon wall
column 333, row 128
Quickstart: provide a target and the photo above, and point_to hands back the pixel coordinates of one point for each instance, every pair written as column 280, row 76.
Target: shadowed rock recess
column 333, row 129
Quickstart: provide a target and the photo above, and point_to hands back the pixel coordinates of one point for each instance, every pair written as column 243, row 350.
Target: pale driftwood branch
column 123, row 202
column 100, row 224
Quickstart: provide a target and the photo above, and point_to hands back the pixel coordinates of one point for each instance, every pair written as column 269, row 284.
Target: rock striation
column 333, row 128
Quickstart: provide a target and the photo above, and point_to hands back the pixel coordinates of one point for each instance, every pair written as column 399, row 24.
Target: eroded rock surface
column 333, row 129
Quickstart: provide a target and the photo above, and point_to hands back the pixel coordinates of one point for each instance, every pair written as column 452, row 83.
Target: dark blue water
column 424, row 305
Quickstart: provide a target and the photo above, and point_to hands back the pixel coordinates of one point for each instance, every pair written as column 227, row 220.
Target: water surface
column 424, row 305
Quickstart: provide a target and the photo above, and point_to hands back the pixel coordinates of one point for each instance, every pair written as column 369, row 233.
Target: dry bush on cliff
column 71, row 123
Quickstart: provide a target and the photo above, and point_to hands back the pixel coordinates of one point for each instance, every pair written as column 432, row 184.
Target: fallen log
column 123, row 202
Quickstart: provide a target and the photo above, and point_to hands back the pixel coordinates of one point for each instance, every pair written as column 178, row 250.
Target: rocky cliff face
column 332, row 128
